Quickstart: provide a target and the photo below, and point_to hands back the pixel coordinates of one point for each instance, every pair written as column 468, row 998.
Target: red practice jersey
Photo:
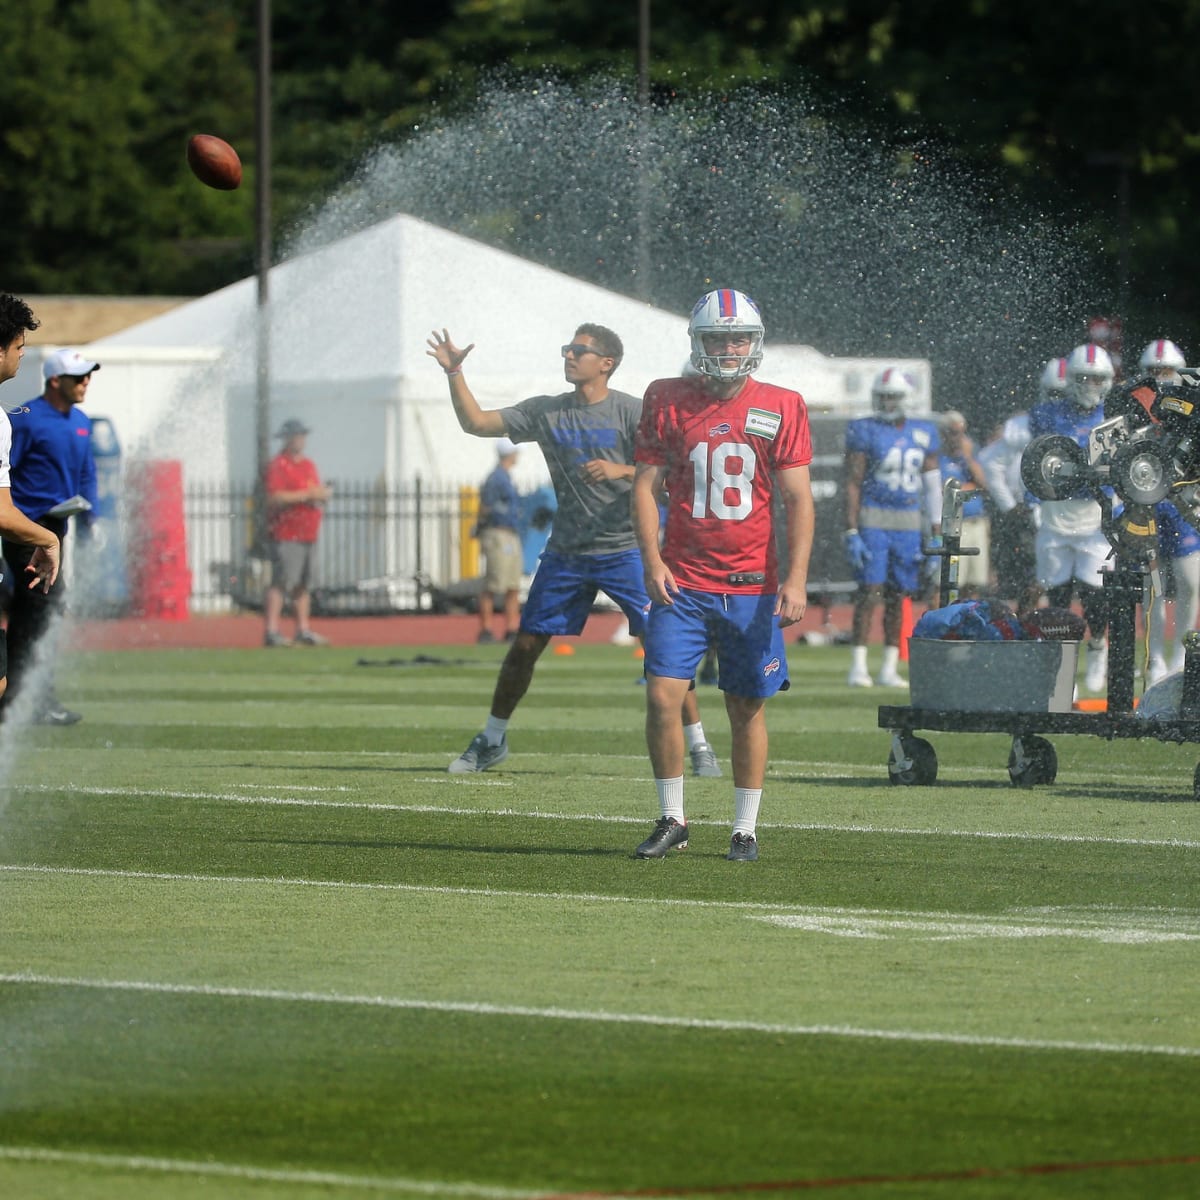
column 720, row 456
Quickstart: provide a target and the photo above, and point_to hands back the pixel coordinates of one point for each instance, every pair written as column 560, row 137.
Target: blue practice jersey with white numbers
column 895, row 459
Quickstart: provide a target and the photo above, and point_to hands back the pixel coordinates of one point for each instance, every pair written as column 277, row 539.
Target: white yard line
column 292, row 801
column 1106, row 917
column 218, row 1170
column 707, row 1024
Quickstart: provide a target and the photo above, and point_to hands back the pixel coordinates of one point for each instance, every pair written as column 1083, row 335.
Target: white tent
column 347, row 332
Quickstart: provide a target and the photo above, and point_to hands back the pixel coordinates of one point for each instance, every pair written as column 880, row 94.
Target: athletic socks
column 495, row 729
column 693, row 735
column 745, row 809
column 670, row 797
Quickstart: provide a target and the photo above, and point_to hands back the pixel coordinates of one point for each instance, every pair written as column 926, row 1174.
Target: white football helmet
column 726, row 311
column 1089, row 375
column 1162, row 359
column 1053, row 383
column 891, row 394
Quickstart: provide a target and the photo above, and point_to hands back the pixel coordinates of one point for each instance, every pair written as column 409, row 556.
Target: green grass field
column 256, row 942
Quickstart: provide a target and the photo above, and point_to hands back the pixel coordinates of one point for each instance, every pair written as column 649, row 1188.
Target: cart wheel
column 1054, row 466
column 912, row 761
column 1032, row 761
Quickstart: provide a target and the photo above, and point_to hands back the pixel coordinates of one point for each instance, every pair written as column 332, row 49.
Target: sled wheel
column 912, row 761
column 1032, row 761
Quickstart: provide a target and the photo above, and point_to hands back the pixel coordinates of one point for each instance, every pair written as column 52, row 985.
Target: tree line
column 1086, row 113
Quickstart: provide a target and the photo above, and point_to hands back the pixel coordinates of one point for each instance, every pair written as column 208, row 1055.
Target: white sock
column 745, row 809
column 670, row 797
column 891, row 656
column 495, row 729
column 859, row 661
column 694, row 735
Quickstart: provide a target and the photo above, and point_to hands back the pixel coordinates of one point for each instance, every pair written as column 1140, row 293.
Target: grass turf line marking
column 658, row 1020
column 179, row 1166
column 609, row 818
column 960, row 930
column 1084, row 920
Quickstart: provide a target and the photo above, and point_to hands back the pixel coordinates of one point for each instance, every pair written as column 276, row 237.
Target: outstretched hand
column 448, row 356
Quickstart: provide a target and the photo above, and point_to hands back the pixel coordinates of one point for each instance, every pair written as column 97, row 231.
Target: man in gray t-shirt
column 587, row 437
column 593, row 505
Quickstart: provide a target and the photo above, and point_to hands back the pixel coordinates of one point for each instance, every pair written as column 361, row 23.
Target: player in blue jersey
column 1071, row 548
column 1179, row 552
column 893, row 485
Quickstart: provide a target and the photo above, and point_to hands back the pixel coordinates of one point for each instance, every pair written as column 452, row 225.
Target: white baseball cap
column 505, row 447
column 68, row 362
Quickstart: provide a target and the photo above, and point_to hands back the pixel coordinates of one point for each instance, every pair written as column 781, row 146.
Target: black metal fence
column 380, row 549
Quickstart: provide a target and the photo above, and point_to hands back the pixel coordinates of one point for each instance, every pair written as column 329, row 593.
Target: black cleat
column 742, row 848
column 668, row 835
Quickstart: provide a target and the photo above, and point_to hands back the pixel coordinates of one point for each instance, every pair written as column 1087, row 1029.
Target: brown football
column 214, row 161
column 1055, row 625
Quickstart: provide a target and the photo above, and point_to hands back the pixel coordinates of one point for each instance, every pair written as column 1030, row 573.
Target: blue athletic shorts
column 895, row 558
column 564, row 589
column 750, row 655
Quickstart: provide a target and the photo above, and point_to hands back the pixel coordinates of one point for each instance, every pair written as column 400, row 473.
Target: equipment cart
column 1032, row 758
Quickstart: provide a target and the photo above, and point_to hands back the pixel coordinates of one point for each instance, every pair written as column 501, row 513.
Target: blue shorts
column 564, row 589
column 750, row 655
column 894, row 557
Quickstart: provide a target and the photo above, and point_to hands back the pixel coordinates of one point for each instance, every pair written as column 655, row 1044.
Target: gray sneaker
column 668, row 835
column 742, row 848
column 479, row 756
column 704, row 761
column 306, row 637
column 276, row 639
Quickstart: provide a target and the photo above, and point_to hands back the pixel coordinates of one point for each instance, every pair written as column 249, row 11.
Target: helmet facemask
column 726, row 314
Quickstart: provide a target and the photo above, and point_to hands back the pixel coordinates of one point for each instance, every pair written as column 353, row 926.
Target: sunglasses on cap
column 579, row 350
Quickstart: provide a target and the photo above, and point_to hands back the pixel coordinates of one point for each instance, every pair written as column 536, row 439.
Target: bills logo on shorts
column 718, row 430
column 771, row 667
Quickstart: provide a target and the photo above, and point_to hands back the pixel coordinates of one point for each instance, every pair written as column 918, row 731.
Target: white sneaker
column 1155, row 671
column 892, row 679
column 1095, row 678
column 859, row 677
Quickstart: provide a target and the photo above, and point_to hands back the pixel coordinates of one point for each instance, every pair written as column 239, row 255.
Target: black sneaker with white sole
column 57, row 716
column 668, row 835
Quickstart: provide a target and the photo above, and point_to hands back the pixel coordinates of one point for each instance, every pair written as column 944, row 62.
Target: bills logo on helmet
column 718, row 430
column 772, row 667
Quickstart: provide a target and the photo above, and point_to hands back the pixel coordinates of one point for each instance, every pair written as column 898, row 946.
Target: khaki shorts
column 292, row 565
column 502, row 558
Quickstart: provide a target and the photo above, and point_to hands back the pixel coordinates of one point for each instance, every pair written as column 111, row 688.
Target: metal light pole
column 262, row 393
column 642, row 265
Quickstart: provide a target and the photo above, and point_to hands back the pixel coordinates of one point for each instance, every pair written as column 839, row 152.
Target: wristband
column 456, row 371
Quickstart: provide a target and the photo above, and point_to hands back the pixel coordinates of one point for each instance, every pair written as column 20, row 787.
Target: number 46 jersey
column 720, row 458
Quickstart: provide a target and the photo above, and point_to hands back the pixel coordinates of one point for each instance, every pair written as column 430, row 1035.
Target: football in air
column 1055, row 625
column 214, row 161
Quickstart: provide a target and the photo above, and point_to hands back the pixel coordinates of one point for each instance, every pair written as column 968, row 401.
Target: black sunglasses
column 579, row 350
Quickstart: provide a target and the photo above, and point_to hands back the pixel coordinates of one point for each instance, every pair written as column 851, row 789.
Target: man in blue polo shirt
column 52, row 466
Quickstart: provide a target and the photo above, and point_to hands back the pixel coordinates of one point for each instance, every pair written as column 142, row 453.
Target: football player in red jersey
column 722, row 446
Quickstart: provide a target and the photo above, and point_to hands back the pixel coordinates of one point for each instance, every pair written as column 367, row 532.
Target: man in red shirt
column 295, row 502
column 722, row 446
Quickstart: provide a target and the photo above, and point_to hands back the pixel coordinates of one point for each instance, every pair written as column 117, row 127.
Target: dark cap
column 292, row 427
